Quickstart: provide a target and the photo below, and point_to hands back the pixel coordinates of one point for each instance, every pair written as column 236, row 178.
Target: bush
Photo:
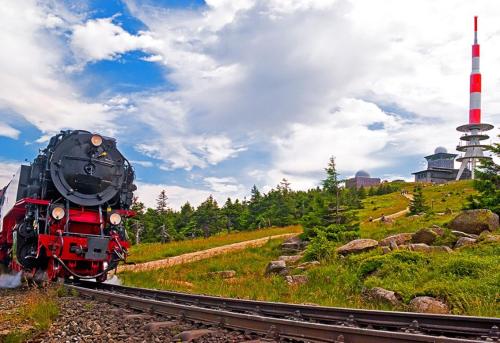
column 391, row 261
column 370, row 265
column 463, row 268
column 334, row 232
column 320, row 248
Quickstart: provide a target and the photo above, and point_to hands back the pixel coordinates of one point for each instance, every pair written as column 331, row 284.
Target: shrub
column 370, row 265
column 463, row 268
column 320, row 248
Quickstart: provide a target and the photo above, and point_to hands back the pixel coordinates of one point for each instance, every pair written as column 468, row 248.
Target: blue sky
column 213, row 97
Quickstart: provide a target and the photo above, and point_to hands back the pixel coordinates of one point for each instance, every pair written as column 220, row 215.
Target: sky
column 212, row 97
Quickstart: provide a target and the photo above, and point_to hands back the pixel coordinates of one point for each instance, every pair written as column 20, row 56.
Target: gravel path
column 83, row 320
column 200, row 255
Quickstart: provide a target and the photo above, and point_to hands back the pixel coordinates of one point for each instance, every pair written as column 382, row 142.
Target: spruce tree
column 161, row 202
column 487, row 182
column 417, row 205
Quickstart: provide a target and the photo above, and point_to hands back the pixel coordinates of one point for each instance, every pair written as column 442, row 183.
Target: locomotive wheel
column 26, row 231
column 26, row 254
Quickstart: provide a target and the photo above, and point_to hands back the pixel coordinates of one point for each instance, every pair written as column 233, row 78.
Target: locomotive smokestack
column 475, row 82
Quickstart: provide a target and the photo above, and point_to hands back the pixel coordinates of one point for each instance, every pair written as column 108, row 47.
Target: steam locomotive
column 63, row 215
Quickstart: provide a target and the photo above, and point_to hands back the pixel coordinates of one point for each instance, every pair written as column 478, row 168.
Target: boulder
column 491, row 238
column 399, row 239
column 290, row 259
column 357, row 245
column 307, row 265
column 421, row 247
column 224, row 274
column 393, row 245
column 386, row 250
column 381, row 294
column 294, row 280
column 464, row 241
column 463, row 234
column 428, row 305
column 475, row 221
column 438, row 230
column 276, row 267
column 441, row 248
column 292, row 245
column 426, row 236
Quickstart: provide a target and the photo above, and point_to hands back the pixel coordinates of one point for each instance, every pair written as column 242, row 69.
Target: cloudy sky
column 211, row 97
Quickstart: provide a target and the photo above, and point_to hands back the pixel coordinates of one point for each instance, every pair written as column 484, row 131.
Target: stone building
column 440, row 168
column 362, row 179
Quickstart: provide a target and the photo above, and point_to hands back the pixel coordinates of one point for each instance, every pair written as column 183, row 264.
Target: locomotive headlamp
column 96, row 140
column 58, row 213
column 115, row 219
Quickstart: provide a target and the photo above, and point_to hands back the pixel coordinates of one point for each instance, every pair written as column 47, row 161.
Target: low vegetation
column 154, row 251
column 468, row 280
column 36, row 314
column 443, row 202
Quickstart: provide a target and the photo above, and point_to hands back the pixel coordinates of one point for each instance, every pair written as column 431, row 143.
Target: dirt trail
column 397, row 214
column 200, row 255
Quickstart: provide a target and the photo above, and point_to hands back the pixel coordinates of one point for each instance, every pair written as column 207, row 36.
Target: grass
column 468, row 280
column 440, row 199
column 156, row 251
column 376, row 206
column 36, row 314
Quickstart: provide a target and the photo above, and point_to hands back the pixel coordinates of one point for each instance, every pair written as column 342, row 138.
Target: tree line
column 327, row 206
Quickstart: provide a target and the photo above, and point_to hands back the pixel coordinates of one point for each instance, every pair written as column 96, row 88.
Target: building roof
column 362, row 173
column 440, row 149
column 441, row 156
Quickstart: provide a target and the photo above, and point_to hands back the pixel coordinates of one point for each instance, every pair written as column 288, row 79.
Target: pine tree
column 487, row 182
column 161, row 202
column 417, row 205
column 207, row 217
column 331, row 186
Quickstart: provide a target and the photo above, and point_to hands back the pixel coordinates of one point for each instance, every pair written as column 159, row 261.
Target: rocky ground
column 82, row 320
column 11, row 300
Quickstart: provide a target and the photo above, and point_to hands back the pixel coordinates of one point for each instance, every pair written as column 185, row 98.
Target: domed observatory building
column 362, row 179
column 440, row 168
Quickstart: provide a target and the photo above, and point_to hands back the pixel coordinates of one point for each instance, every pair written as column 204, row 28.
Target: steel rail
column 276, row 328
column 437, row 325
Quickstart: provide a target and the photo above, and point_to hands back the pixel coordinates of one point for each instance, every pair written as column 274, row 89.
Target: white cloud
column 33, row 84
column 299, row 80
column 345, row 134
column 8, row 131
column 101, row 39
column 255, row 69
column 145, row 164
column 225, row 185
column 7, row 171
column 177, row 196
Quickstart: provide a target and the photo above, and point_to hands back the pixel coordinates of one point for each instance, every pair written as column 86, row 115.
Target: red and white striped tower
column 474, row 131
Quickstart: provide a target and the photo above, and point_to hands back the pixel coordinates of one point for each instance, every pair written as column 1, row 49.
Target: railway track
column 299, row 322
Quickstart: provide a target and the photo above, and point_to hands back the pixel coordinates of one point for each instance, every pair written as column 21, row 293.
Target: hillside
column 444, row 200
column 467, row 279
